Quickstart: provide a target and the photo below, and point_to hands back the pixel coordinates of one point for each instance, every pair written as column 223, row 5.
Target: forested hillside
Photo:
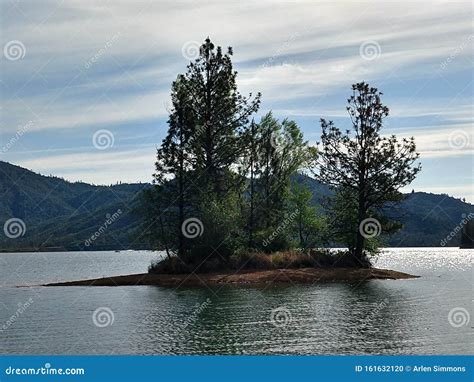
column 62, row 215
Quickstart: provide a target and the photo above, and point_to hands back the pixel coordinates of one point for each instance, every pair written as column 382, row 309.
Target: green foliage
column 221, row 116
column 281, row 154
column 195, row 167
column 309, row 226
column 365, row 169
column 221, row 237
column 230, row 177
column 276, row 151
column 67, row 225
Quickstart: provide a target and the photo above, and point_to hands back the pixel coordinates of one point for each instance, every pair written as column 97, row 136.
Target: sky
column 85, row 84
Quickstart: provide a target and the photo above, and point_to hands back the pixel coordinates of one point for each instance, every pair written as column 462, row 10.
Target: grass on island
column 258, row 261
column 293, row 266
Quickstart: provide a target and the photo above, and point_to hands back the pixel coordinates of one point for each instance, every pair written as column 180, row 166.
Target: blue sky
column 72, row 69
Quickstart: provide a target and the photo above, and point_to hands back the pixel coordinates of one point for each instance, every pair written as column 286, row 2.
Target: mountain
column 58, row 214
column 429, row 220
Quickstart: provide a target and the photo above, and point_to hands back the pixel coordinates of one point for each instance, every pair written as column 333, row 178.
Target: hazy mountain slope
column 427, row 218
column 61, row 214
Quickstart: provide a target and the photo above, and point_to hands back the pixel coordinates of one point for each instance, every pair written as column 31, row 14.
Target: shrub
column 321, row 258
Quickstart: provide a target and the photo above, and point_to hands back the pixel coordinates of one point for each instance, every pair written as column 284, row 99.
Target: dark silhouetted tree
column 222, row 116
column 173, row 168
column 366, row 169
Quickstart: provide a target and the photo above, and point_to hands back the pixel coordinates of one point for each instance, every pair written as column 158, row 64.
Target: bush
column 293, row 259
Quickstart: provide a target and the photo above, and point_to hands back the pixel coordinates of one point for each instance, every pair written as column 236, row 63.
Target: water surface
column 420, row 316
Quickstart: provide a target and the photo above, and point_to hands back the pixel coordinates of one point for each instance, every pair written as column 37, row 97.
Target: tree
column 250, row 167
column 364, row 167
column 173, row 167
column 308, row 226
column 221, row 116
column 196, row 176
column 280, row 153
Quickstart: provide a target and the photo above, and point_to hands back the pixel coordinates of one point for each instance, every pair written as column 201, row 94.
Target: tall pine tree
column 222, row 116
column 365, row 168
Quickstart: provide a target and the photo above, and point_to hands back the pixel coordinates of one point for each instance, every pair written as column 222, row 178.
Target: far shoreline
column 248, row 277
column 119, row 250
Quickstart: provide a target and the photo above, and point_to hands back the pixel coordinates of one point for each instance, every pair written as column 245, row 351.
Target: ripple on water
column 376, row 317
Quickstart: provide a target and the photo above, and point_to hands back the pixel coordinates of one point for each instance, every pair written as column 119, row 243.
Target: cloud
column 453, row 141
column 90, row 65
column 313, row 48
column 98, row 167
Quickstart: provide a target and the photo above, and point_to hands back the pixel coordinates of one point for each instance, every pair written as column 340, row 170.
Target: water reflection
column 374, row 317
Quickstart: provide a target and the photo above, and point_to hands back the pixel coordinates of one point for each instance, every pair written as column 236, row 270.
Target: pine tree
column 173, row 165
column 197, row 168
column 364, row 167
column 222, row 116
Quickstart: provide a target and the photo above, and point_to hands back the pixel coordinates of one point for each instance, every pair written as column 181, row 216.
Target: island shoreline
column 247, row 277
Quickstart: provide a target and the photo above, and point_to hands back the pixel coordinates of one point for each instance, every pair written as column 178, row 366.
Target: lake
column 429, row 315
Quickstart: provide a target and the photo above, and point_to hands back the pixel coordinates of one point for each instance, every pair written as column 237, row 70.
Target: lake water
column 429, row 315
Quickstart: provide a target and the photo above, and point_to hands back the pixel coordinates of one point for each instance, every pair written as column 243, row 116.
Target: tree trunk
column 361, row 212
column 181, row 197
column 252, row 186
column 360, row 240
column 251, row 223
column 359, row 248
column 302, row 243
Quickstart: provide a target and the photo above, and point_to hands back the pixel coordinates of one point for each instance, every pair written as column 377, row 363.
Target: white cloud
column 98, row 167
column 318, row 43
column 293, row 52
column 451, row 141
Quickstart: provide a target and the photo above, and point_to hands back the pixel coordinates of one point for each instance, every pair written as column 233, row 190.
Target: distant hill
column 427, row 218
column 58, row 213
column 62, row 215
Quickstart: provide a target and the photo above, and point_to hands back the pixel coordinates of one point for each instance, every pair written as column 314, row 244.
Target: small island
column 228, row 205
column 255, row 277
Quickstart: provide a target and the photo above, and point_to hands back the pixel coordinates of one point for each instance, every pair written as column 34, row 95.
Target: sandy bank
column 303, row 275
